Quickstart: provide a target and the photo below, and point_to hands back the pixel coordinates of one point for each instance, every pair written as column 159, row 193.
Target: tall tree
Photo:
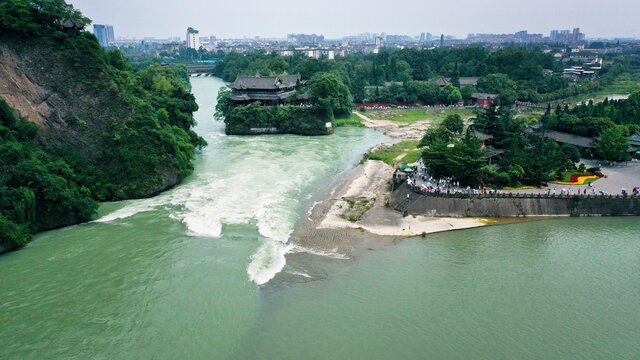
column 328, row 91
column 613, row 144
column 454, row 123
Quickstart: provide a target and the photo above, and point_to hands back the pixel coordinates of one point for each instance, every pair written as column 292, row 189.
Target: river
column 186, row 274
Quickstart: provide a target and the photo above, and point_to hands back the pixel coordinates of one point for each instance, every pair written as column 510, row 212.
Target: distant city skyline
column 335, row 19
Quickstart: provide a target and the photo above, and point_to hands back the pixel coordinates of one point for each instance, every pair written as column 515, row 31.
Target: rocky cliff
column 79, row 124
column 42, row 85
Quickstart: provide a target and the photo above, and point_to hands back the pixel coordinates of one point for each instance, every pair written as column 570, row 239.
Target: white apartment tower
column 193, row 38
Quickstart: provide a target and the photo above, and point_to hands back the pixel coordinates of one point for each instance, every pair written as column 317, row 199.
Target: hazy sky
column 336, row 18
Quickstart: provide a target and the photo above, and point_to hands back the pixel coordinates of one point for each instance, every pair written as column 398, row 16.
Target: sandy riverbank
column 356, row 212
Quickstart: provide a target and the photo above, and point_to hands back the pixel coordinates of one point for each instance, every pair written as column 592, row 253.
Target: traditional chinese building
column 268, row 90
column 72, row 24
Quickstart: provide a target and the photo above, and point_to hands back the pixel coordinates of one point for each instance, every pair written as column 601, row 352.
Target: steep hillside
column 78, row 124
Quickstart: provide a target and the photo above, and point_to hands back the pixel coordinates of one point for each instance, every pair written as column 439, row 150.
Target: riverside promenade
column 411, row 200
column 603, row 198
column 619, row 176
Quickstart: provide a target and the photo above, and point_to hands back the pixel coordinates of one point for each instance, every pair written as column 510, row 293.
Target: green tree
column 454, row 96
column 613, row 144
column 454, row 123
column 463, row 161
column 466, row 92
column 439, row 134
column 450, row 94
column 329, row 92
column 496, row 84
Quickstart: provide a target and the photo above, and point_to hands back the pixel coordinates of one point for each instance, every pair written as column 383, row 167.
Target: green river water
column 185, row 275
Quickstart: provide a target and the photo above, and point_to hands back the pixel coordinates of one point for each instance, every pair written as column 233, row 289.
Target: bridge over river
column 194, row 69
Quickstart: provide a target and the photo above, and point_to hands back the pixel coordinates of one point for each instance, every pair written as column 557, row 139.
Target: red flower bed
column 575, row 178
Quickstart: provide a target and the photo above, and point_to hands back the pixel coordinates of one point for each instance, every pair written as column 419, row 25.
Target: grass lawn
column 411, row 115
column 351, row 120
column 402, row 153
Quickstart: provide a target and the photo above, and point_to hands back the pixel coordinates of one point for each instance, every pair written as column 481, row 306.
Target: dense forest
column 611, row 122
column 591, row 119
column 514, row 74
column 136, row 125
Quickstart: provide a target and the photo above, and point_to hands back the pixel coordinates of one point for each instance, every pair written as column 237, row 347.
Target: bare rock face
column 41, row 85
column 20, row 92
column 37, row 84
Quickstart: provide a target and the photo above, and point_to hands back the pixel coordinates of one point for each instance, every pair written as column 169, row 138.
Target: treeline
column 137, row 125
column 611, row 121
column 514, row 74
column 616, row 112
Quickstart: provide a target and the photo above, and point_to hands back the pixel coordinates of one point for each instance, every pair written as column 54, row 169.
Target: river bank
column 356, row 215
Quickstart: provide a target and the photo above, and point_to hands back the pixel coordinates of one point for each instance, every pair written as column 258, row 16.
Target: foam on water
column 133, row 207
column 268, row 261
column 252, row 180
column 334, row 254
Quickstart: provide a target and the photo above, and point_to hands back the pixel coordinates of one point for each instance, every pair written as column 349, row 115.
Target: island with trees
column 283, row 104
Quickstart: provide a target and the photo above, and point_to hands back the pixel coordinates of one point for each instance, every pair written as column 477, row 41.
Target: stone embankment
column 405, row 199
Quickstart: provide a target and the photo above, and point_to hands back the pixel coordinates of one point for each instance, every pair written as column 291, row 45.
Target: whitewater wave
column 258, row 181
column 310, row 211
column 334, row 254
column 299, row 273
column 132, row 208
column 268, row 261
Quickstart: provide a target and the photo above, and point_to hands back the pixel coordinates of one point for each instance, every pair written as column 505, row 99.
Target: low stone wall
column 512, row 206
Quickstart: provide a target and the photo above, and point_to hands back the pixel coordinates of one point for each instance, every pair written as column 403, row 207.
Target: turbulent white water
column 257, row 181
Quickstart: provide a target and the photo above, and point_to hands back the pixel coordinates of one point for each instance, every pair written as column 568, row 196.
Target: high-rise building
column 104, row 33
column 567, row 36
column 441, row 40
column 100, row 31
column 110, row 36
column 193, row 38
column 423, row 37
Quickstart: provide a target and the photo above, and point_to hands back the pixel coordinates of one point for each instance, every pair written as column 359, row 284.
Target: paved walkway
column 623, row 175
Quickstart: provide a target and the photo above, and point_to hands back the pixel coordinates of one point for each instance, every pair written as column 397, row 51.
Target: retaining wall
column 512, row 206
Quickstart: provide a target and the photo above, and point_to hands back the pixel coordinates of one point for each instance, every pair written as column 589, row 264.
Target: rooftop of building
column 259, row 82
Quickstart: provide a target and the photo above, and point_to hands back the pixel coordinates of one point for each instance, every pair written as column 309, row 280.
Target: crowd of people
column 407, row 107
column 418, row 179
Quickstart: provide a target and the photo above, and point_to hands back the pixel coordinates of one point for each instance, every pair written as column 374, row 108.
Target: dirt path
column 398, row 130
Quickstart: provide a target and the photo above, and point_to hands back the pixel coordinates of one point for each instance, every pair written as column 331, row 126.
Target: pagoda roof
column 265, row 82
column 71, row 23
